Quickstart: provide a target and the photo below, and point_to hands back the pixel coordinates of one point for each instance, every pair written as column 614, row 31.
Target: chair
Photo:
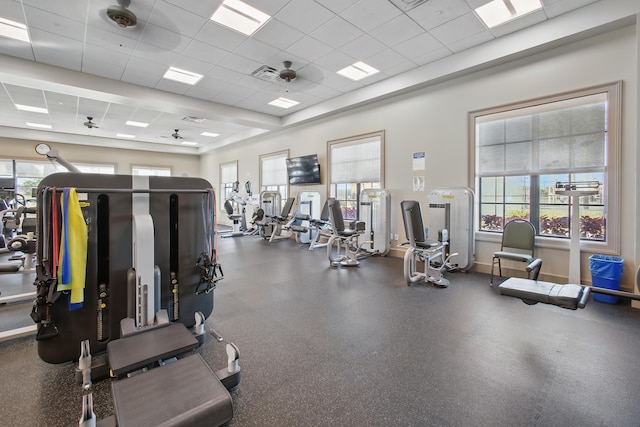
column 518, row 240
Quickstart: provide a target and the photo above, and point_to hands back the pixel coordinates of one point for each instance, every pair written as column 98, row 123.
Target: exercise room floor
column 358, row 347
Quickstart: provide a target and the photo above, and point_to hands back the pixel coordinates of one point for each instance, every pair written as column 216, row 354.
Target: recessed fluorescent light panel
column 182, row 76
column 283, row 103
column 136, row 124
column 498, row 12
column 210, row 134
column 14, row 30
column 239, row 16
column 189, row 143
column 358, row 71
column 125, row 135
column 32, row 109
column 38, row 125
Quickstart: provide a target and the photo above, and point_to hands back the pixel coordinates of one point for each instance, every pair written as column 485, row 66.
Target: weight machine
column 141, row 299
column 344, row 247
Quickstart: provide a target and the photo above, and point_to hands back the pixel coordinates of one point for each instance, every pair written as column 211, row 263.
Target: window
column 150, row 171
column 29, row 173
column 522, row 150
column 273, row 174
column 355, row 164
column 228, row 176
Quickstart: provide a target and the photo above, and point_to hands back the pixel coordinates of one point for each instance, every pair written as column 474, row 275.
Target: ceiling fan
column 89, row 123
column 287, row 74
column 122, row 16
column 176, row 134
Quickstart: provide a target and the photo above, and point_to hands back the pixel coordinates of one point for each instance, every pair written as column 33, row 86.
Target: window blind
column 356, row 161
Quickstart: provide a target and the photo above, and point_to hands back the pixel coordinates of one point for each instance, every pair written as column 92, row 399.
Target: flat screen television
column 303, row 170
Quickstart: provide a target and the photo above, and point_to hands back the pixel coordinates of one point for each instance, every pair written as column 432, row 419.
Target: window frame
column 284, row 187
column 360, row 185
column 612, row 243
column 226, row 185
column 151, row 167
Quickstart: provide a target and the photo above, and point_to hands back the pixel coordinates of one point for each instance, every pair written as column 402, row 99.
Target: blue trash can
column 606, row 272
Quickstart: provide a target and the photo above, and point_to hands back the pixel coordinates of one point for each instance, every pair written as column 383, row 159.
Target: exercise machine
column 150, row 248
column 570, row 296
column 321, row 228
column 274, row 221
column 307, row 209
column 451, row 209
column 432, row 254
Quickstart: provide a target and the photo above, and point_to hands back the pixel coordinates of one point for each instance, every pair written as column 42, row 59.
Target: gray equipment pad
column 533, row 291
column 131, row 353
column 182, row 393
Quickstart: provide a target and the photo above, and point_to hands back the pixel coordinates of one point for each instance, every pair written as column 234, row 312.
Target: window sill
column 552, row 243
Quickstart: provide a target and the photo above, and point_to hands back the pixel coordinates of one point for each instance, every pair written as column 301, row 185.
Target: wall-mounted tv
column 303, row 170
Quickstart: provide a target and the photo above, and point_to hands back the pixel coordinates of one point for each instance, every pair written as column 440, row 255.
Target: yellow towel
column 72, row 265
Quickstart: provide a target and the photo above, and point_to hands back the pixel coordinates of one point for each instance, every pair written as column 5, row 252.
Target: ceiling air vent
column 266, row 73
column 193, row 119
column 406, row 5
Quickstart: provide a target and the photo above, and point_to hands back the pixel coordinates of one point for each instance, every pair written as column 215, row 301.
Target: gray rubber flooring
column 358, row 347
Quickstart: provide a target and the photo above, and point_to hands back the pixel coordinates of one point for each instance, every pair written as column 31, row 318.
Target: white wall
column 122, row 159
column 434, row 120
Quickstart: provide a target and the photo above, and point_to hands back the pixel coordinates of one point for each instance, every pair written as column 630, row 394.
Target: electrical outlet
column 395, row 237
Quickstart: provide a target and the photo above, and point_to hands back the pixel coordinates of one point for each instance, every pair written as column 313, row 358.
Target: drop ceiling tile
column 176, row 19
column 336, row 6
column 459, row 29
column 141, row 77
column 71, row 9
column 172, row 86
column 103, row 69
column 56, row 50
column 432, row 56
column 219, row 36
column 335, row 60
column 12, row 10
column 199, row 7
column 155, row 54
column 101, row 55
column 91, row 107
column 270, row 7
column 165, row 39
column 397, row 30
column 205, row 52
column 434, row 13
column 115, row 42
column 336, row 32
column 256, row 50
column 225, row 74
column 240, row 64
column 314, row 73
column 390, row 62
column 193, row 65
column 140, row 64
column 368, row 14
column 256, row 100
column 309, row 49
column 418, row 46
column 554, row 8
column 278, row 34
column 25, row 96
column 54, row 24
column 474, row 40
column 321, row 91
column 304, row 15
column 16, row 48
column 362, row 47
column 253, row 83
column 201, row 92
column 520, row 23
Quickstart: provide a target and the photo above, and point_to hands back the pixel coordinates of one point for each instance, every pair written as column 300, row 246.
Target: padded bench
column 181, row 393
column 535, row 291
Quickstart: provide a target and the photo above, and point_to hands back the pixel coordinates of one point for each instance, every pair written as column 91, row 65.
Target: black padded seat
column 182, row 393
column 134, row 352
